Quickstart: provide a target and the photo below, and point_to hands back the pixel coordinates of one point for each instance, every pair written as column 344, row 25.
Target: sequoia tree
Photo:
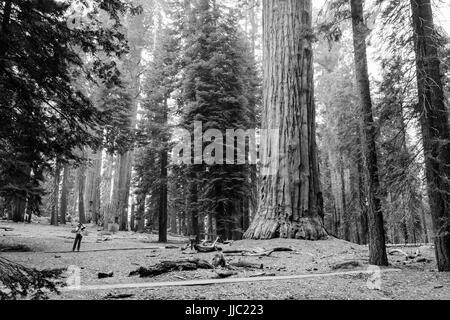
column 290, row 204
column 377, row 247
column 434, row 120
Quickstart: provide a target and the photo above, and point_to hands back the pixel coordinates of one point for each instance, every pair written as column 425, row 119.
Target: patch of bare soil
column 124, row 252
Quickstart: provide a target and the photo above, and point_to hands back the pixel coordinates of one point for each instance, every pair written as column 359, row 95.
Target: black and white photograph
column 228, row 157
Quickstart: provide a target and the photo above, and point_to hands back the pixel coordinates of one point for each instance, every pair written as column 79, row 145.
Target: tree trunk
column 107, row 184
column 18, row 208
column 377, row 246
column 162, row 217
column 55, row 196
column 434, row 120
column 123, row 189
column 19, row 199
column 337, row 182
column 173, row 222
column 140, row 214
column 345, row 213
column 290, row 205
column 362, row 219
column 81, row 187
column 132, row 218
column 64, row 194
column 424, row 226
column 93, row 186
column 9, row 211
column 162, row 208
column 192, row 206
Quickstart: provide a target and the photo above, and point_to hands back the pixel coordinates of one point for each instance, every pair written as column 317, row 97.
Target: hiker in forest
column 78, row 231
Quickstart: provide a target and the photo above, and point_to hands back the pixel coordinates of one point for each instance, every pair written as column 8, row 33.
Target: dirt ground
column 124, row 252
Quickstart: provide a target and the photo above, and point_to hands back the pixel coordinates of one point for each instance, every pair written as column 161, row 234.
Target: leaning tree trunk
column 290, row 203
column 434, row 120
column 377, row 246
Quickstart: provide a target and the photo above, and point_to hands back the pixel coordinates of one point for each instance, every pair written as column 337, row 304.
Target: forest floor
column 123, row 252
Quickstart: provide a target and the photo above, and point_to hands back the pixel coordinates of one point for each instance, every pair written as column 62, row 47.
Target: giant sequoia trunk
column 290, row 204
column 377, row 247
column 434, row 120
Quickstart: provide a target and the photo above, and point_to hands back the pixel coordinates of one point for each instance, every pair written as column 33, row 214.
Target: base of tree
column 306, row 228
column 442, row 247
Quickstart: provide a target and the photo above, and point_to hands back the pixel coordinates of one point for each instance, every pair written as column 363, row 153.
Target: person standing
column 78, row 236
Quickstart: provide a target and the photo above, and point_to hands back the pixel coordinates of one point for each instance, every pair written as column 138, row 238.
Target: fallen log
column 256, row 252
column 262, row 274
column 394, row 251
column 118, row 296
column 169, row 266
column 245, row 264
column 225, row 274
column 102, row 275
column 232, row 251
column 281, row 249
column 346, row 265
column 407, row 256
column 207, row 248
